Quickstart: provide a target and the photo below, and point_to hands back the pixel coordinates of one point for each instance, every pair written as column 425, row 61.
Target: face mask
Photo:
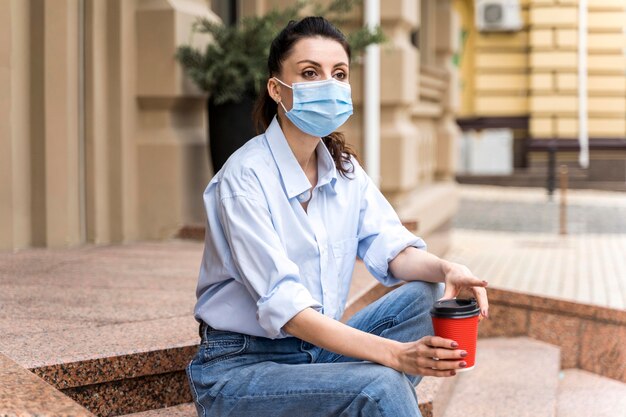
column 319, row 107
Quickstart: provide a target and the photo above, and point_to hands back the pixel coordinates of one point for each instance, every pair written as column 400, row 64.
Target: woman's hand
column 429, row 356
column 459, row 276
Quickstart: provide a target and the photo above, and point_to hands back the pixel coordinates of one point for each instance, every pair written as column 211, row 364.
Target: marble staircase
column 107, row 337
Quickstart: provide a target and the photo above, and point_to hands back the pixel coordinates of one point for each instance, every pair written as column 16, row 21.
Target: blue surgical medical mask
column 319, row 107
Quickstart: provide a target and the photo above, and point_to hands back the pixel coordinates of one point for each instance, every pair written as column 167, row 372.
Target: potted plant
column 232, row 68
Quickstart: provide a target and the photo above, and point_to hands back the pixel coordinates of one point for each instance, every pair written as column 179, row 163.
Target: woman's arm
column 411, row 357
column 414, row 358
column 412, row 263
column 415, row 264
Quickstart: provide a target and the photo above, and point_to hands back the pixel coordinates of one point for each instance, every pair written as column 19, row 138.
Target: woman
column 287, row 216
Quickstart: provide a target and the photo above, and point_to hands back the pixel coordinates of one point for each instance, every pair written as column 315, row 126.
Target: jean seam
column 295, row 393
column 380, row 410
column 193, row 387
column 224, row 343
column 382, row 322
column 395, row 318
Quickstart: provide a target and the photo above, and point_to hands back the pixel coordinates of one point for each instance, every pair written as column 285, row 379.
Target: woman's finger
column 436, row 341
column 450, row 292
column 483, row 301
column 444, row 354
column 472, row 281
column 443, row 364
column 437, row 373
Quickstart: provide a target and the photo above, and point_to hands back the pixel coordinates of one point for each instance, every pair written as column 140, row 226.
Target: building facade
column 527, row 80
column 103, row 137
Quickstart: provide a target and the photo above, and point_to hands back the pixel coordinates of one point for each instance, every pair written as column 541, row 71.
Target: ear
column 273, row 89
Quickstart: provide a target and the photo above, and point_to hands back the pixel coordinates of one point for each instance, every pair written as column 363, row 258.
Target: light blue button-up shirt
column 266, row 258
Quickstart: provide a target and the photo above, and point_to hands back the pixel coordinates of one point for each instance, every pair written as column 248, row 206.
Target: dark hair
column 265, row 108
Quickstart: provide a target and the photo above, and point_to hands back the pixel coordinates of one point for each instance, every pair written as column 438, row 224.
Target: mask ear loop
column 281, row 101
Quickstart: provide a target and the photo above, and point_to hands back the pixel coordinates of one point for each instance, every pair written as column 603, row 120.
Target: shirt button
column 305, row 196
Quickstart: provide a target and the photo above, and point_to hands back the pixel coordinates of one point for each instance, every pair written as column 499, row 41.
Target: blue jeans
column 239, row 375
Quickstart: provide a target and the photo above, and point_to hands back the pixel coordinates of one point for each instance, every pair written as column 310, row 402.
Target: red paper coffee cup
column 457, row 319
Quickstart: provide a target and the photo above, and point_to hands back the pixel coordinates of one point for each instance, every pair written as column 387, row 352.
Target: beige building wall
column 116, row 157
column 103, row 138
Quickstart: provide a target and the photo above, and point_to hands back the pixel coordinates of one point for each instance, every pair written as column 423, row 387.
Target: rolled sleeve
column 381, row 233
column 283, row 303
column 261, row 264
column 385, row 247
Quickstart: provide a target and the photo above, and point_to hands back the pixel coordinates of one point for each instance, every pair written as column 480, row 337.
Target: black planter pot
column 230, row 126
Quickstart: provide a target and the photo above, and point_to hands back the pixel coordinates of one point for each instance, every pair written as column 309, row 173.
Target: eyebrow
column 317, row 64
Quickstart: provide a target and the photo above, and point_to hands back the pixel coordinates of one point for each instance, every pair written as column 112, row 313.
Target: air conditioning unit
column 498, row 15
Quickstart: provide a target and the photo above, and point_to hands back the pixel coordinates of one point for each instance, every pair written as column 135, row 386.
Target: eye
column 340, row 75
column 309, row 74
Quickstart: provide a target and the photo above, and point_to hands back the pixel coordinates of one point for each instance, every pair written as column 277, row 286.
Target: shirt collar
column 293, row 177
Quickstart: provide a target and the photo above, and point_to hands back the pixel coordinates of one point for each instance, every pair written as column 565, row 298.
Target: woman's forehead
column 321, row 50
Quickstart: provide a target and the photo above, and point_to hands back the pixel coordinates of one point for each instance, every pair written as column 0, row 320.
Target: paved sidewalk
column 508, row 236
column 530, row 210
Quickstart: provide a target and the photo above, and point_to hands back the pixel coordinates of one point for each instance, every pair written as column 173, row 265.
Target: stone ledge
column 24, row 394
column 574, row 327
column 556, row 305
column 85, row 356
column 134, row 394
column 182, row 410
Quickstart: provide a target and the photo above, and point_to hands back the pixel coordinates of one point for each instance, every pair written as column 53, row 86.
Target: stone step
column 181, row 410
column 583, row 394
column 513, row 377
column 92, row 364
column 22, row 393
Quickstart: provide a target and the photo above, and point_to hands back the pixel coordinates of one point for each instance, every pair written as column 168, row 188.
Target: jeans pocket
column 220, row 347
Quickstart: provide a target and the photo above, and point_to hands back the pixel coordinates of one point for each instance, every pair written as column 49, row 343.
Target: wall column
column 172, row 160
column 61, row 123
column 448, row 130
column 15, row 231
column 39, row 133
column 399, row 78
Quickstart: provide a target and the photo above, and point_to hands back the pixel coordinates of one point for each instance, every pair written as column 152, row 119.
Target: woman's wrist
column 392, row 349
column 445, row 266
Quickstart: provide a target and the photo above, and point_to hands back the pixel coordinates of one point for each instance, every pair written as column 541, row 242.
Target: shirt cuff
column 285, row 301
column 385, row 248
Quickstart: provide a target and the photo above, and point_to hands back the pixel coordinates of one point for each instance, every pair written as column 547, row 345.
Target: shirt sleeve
column 381, row 233
column 270, row 276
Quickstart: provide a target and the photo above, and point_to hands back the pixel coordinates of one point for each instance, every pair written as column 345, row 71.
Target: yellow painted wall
column 534, row 71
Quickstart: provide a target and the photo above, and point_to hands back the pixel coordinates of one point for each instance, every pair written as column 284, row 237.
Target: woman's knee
column 413, row 305
column 391, row 389
column 383, row 379
column 424, row 293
